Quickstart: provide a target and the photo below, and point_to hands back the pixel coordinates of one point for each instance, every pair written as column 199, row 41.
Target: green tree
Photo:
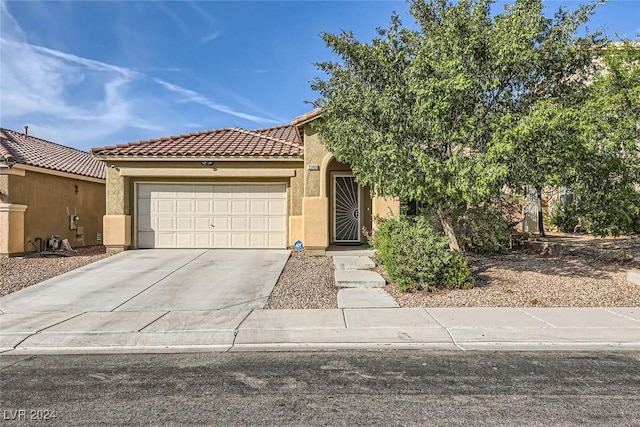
column 607, row 181
column 423, row 113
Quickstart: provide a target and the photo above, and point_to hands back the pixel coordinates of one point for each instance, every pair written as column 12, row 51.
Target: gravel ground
column 19, row 272
column 589, row 273
column 593, row 273
column 306, row 282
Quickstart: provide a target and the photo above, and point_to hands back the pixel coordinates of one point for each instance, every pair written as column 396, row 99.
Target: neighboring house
column 47, row 189
column 233, row 188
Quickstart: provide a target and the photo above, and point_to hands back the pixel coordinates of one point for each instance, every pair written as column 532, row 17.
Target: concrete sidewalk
column 375, row 328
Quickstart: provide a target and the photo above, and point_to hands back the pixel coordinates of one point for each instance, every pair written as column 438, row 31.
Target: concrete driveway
column 156, row 280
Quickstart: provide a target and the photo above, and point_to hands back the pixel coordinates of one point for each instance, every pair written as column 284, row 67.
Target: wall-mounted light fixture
column 206, row 163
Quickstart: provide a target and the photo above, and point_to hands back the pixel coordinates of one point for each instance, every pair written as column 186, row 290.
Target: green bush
column 482, row 229
column 417, row 257
column 564, row 216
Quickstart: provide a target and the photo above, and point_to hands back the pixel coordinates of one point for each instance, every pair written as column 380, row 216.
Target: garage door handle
column 213, row 226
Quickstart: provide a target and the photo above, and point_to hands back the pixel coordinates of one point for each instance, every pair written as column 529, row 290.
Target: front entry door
column 346, row 209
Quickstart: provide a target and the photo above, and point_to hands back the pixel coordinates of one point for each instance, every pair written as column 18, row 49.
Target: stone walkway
column 359, row 286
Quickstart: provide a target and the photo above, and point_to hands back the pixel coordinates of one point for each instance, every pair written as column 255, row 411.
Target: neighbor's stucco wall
column 4, row 188
column 51, row 199
column 11, row 229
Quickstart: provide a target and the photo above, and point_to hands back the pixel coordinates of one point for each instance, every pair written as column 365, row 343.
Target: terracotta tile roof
column 279, row 141
column 307, row 117
column 31, row 151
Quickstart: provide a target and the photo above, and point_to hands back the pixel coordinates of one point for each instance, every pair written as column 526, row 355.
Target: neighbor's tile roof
column 280, row 141
column 28, row 150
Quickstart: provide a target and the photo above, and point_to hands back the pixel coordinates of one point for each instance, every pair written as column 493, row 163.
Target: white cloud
column 83, row 102
column 188, row 95
column 209, row 37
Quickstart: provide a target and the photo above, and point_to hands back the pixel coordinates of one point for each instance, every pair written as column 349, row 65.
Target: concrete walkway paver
column 352, row 262
column 365, row 298
column 244, row 330
column 359, row 279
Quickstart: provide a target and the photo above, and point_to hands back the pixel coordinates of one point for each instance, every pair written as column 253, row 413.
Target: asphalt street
column 543, row 388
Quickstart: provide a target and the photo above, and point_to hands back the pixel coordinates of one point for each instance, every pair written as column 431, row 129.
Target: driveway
column 158, row 279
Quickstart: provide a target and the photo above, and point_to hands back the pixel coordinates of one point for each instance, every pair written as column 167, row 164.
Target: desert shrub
column 482, row 229
column 564, row 216
column 417, row 257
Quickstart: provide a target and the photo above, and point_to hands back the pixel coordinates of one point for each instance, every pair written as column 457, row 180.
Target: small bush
column 564, row 216
column 482, row 229
column 417, row 257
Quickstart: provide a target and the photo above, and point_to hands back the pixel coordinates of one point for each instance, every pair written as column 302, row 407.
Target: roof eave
column 165, row 158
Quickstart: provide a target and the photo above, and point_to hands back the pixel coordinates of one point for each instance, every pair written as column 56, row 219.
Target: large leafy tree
column 607, row 183
column 424, row 113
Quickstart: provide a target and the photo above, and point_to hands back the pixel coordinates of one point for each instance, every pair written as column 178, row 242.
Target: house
column 47, row 189
column 234, row 188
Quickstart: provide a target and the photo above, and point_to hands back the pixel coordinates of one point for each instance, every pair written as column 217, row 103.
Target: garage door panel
column 185, row 240
column 211, row 216
column 185, row 223
column 239, row 224
column 258, row 240
column 239, row 206
column 277, row 240
column 276, row 224
column 202, row 224
column 166, row 223
column 258, row 206
column 203, row 206
column 258, row 224
column 165, row 240
column 221, row 207
column 222, row 224
column 221, row 240
column 240, row 240
column 185, row 206
column 166, row 206
column 203, row 240
column 277, row 207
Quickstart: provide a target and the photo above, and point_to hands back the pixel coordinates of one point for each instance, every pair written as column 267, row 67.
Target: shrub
column 417, row 257
column 564, row 216
column 482, row 229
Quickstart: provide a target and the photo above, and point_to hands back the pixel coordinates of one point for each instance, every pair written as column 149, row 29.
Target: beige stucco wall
column 314, row 153
column 51, row 199
column 119, row 226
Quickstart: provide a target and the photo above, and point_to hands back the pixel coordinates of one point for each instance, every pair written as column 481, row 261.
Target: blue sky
column 89, row 73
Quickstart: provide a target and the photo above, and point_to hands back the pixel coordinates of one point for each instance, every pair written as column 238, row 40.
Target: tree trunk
column 445, row 219
column 540, row 218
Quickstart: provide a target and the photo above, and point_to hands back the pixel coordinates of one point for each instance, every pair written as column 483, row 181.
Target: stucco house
column 47, row 189
column 234, row 188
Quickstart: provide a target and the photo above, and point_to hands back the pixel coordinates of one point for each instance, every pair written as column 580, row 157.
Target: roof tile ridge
column 283, row 125
column 44, row 140
column 283, row 141
column 155, row 140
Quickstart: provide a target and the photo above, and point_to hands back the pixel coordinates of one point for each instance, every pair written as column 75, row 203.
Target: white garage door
column 211, row 216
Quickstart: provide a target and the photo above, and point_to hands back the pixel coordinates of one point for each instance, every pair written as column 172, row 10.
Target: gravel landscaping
column 19, row 272
column 306, row 282
column 589, row 273
column 526, row 280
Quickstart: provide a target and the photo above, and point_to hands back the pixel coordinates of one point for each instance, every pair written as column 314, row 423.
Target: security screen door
column 346, row 215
